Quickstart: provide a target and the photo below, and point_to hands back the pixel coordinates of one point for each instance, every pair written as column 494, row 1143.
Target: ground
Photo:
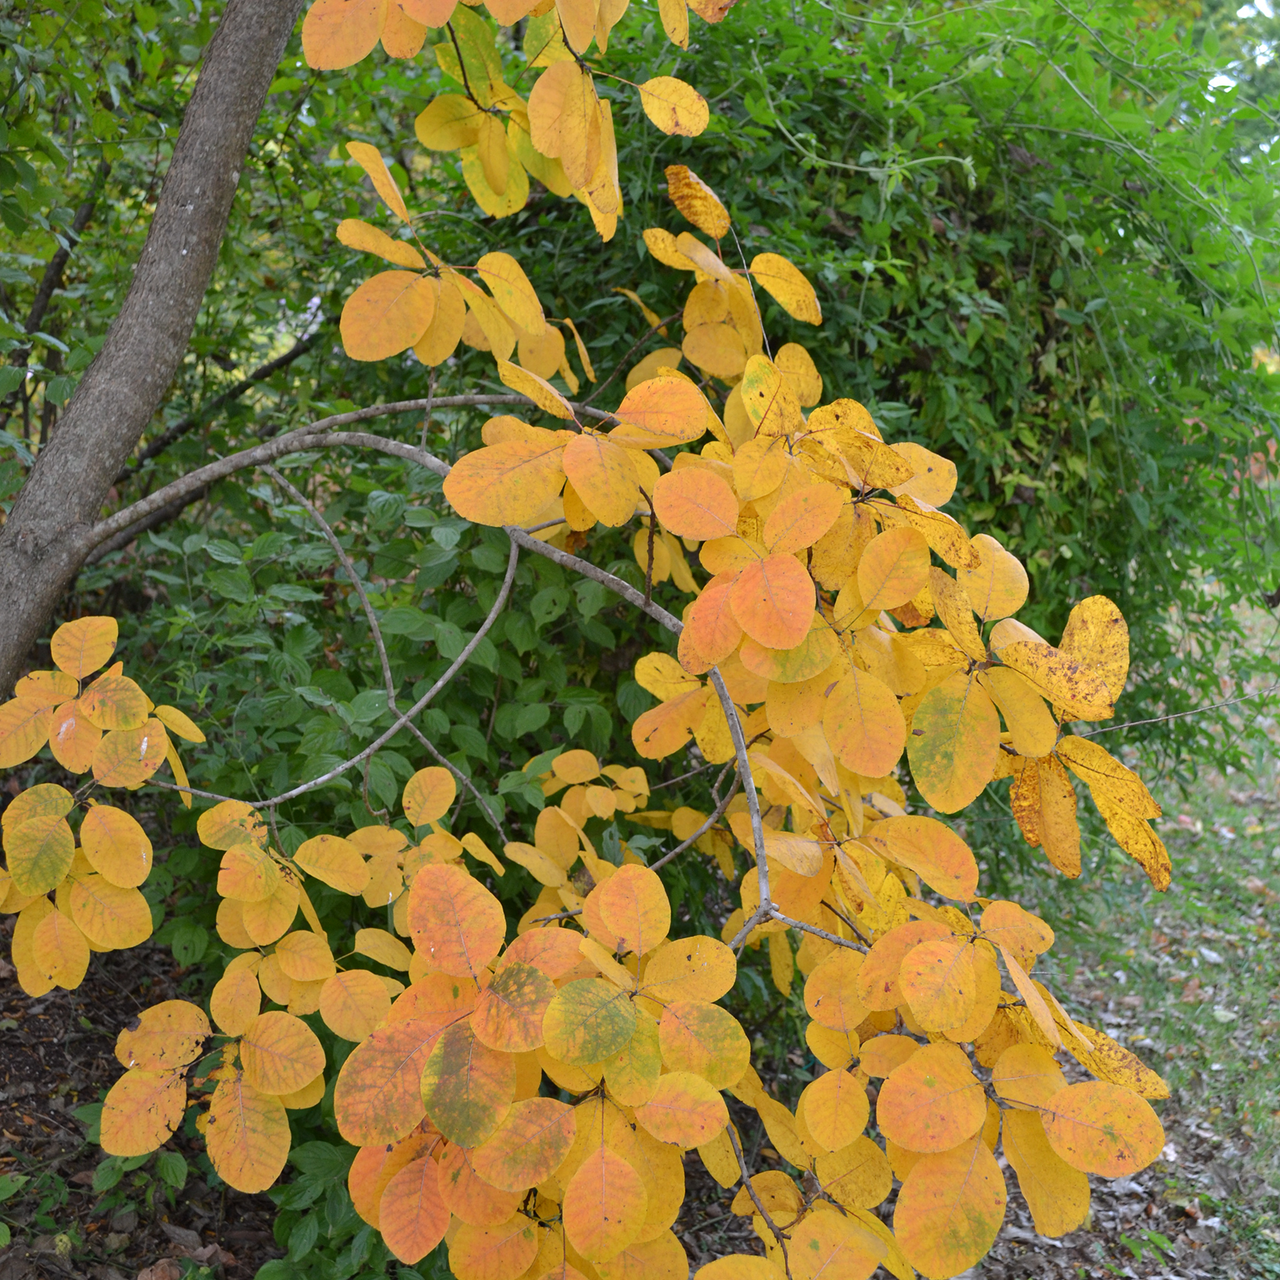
column 1189, row 979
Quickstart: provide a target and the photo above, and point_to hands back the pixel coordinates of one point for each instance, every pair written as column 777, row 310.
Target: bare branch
column 778, row 1234
column 706, row 826
column 775, row 914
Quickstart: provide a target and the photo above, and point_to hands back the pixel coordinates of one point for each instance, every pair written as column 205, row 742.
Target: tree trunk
column 42, row 544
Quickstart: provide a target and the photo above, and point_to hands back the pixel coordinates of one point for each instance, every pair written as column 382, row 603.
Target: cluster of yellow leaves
column 562, row 134
column 107, row 727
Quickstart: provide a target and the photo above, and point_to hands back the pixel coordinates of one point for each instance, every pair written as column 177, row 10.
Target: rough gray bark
column 43, row 542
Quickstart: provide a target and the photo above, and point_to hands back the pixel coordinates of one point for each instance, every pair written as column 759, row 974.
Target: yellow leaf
column 953, row 743
column 247, row 1135
column 444, row 332
column 1097, row 636
column 84, row 645
column 24, row 729
column 564, row 120
column 339, row 33
column 116, row 845
column 335, row 861
column 578, row 22
column 512, row 291
column 280, row 1053
column 1056, row 1194
column 541, row 392
column 998, row 586
column 360, row 235
column 675, row 21
column 662, row 245
column 935, row 476
column 353, row 1004
column 39, row 852
column 1061, row 679
column 675, row 107
column 716, row 349
column 1044, row 805
column 1032, row 728
column 370, row 160
column 141, row 1112
column 112, row 918
column 235, row 1001
column 60, row 950
column 787, row 286
column 450, row 122
column 387, row 314
column 704, row 258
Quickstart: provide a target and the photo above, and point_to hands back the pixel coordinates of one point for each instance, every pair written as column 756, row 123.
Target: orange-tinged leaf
column 662, row 1258
column 1111, row 1061
column 49, row 688
column 466, row 1086
column 998, row 587
column 169, row 1036
column 932, row 1101
column 564, row 120
column 1033, row 731
column 773, row 601
column 588, row 1021
column 1044, row 805
column 1104, row 1128
column 1056, row 1194
column 247, row 1135
column 696, row 201
column 716, row 349
column 339, row 33
column 24, row 729
column 111, row 918
column 378, row 1097
column 1036, row 1004
column 802, row 517
column 938, row 980
column 695, row 968
column 831, row 1246
column 230, row 823
column 661, row 412
column 428, row 795
column 696, row 503
column 602, row 473
column 788, row 287
column 471, row 1197
column 354, row 1003
column 269, row 919
column 528, row 1146
column 235, row 1001
column 494, row 1252
column 741, row 1266
column 73, row 737
column 455, row 921
column 704, row 1039
column 508, row 483
column 633, row 906
column 369, row 158
column 1027, row 1074
column 375, row 1166
column 674, row 106
column 932, row 850
column 512, row 291
column 84, row 645
column 712, row 631
column 894, row 567
column 386, row 315
column 856, row 1176
column 115, row 702
column 280, row 1053
column 877, row 984
column 759, row 466
column 40, row 852
column 954, row 743
column 863, row 724
column 335, row 861
column 834, row 1108
column 128, row 757
column 663, row 730
column 508, row 1016
column 247, row 874
column 831, row 992
column 116, row 845
column 59, row 950
column 141, row 1111
column 604, row 1205
column 685, row 1110
column 412, row 1214
column 949, row 1209
column 1009, row 925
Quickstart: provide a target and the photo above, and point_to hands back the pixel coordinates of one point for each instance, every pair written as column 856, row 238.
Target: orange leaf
column 604, row 1205
column 950, row 1209
column 802, row 517
column 663, row 730
column 932, row 1101
column 247, row 1136
column 696, row 503
column 378, row 1097
column 706, row 1040
column 508, row 483
column 685, row 1110
column 386, row 315
column 128, row 757
column 473, row 1199
column 773, row 602
column 116, row 845
column 466, row 1086
column 1007, row 924
column 509, row 1013
column 455, row 921
column 932, row 850
column 831, row 992
column 494, row 1252
column 1027, row 1073
column 280, row 1053
column 412, row 1215
column 528, row 1146
column 661, row 412
column 1103, row 1128
column 633, row 906
column 141, row 1112
column 354, row 1003
column 864, row 725
column 49, row 688
column 938, row 980
column 73, row 737
column 831, row 1246
column 711, row 629
column 375, row 1166
column 1037, row 1007
column 339, row 33
column 954, row 743
column 84, row 645
column 878, row 978
column 601, row 471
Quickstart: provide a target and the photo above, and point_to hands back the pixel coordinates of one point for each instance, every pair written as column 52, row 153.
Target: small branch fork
column 778, row 1234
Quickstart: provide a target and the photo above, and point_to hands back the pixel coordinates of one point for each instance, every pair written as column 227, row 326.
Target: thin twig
column 775, row 914
column 778, row 1234
column 1179, row 715
column 693, row 773
column 702, row 830
column 635, row 346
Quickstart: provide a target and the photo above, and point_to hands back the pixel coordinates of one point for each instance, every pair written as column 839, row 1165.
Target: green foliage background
column 1042, row 238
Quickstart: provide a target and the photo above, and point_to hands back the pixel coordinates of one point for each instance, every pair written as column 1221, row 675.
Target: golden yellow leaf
column 564, row 120
column 356, row 234
column 24, row 729
column 1056, row 1194
column 674, row 106
column 84, row 645
column 1097, row 636
column 674, row 15
column 512, row 291
column 787, row 286
column 280, row 1053
column 387, row 314
column 247, row 1135
column 998, row 586
column 339, row 33
column 111, row 917
column 141, row 1112
column 371, row 161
